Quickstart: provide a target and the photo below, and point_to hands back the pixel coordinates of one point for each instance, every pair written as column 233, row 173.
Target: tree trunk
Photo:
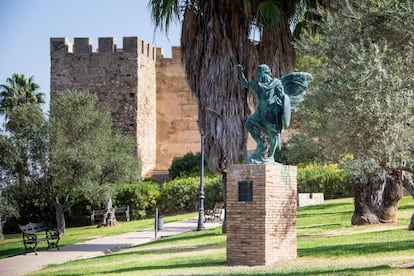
column 23, row 163
column 60, row 210
column 377, row 201
column 109, row 217
column 408, row 184
column 362, row 202
column 277, row 51
column 224, row 181
column 411, row 225
column 392, row 194
column 1, row 228
column 213, row 42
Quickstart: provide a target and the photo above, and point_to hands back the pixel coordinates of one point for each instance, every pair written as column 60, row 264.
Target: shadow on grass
column 323, row 226
column 306, row 215
column 188, row 235
column 17, row 248
column 221, row 264
column 190, row 240
column 185, row 265
column 332, row 205
column 356, row 249
column 372, row 270
column 406, row 207
column 170, row 250
column 12, row 252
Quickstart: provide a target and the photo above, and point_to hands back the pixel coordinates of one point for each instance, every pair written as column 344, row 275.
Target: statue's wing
column 295, row 85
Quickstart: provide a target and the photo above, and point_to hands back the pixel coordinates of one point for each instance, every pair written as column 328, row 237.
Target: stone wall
column 123, row 80
column 177, row 129
column 307, row 199
column 261, row 231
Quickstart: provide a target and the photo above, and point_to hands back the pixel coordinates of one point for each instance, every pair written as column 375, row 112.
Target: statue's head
column 263, row 72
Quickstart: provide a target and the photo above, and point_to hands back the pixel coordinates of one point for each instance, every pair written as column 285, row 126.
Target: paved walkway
column 24, row 264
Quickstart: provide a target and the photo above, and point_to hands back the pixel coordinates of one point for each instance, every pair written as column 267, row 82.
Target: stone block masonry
column 123, row 80
column 177, row 112
column 127, row 82
column 261, row 227
column 146, row 94
column 307, row 199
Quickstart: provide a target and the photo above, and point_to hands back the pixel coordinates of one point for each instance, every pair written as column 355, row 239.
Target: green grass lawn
column 327, row 245
column 13, row 245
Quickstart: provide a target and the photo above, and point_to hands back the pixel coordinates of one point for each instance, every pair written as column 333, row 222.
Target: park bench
column 122, row 213
column 31, row 236
column 215, row 213
column 103, row 217
column 98, row 216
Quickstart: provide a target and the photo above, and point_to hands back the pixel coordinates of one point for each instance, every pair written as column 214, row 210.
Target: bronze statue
column 276, row 98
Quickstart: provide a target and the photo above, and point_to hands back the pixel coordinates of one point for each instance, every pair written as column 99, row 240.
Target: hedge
column 182, row 194
column 327, row 179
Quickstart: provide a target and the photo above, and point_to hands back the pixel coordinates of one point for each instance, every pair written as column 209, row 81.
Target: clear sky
column 26, row 27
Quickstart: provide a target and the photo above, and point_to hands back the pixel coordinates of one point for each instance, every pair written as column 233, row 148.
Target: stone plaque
column 246, row 190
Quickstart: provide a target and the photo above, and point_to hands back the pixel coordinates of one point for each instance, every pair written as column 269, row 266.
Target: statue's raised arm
column 273, row 108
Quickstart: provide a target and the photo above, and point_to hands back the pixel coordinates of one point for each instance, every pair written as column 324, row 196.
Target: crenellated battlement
column 145, row 92
column 175, row 58
column 106, row 45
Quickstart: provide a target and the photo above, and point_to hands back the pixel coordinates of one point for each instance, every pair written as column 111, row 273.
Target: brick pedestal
column 261, row 214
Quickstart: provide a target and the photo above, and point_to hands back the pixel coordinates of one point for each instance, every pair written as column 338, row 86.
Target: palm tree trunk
column 277, row 51
column 213, row 41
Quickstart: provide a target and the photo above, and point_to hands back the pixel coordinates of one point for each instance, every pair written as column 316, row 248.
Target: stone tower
column 146, row 94
column 123, row 80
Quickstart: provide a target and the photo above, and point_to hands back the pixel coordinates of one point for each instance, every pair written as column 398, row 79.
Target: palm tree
column 214, row 38
column 18, row 91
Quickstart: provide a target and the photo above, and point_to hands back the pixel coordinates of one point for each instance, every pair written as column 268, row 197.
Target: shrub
column 182, row 194
column 187, row 166
column 141, row 197
column 327, row 179
column 80, row 212
column 213, row 191
column 31, row 205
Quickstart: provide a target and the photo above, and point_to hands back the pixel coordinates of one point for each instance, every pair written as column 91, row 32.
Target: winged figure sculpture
column 276, row 99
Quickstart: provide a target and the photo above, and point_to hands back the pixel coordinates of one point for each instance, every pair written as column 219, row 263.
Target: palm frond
column 164, row 12
column 270, row 15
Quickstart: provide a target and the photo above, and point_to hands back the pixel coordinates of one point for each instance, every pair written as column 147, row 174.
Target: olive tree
column 85, row 153
column 362, row 102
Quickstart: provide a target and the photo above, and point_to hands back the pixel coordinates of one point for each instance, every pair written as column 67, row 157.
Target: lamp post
column 200, row 225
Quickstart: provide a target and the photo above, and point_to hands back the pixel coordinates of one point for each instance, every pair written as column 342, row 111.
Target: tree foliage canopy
column 85, row 153
column 362, row 101
column 19, row 91
column 83, row 148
